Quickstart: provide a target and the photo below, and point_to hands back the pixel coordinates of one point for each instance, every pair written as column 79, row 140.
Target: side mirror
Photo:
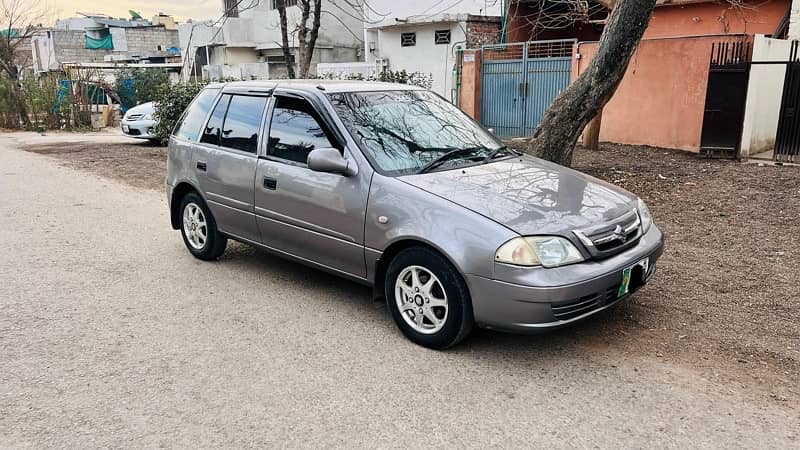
column 330, row 160
column 490, row 130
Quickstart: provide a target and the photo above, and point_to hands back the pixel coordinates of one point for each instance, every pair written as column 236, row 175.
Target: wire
column 366, row 3
column 222, row 18
column 456, row 3
column 360, row 19
column 344, row 25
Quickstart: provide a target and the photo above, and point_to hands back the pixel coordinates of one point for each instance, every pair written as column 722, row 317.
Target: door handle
column 270, row 183
column 201, row 165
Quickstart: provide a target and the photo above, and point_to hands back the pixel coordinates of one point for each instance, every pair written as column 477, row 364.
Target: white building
column 424, row 36
column 794, row 21
column 246, row 44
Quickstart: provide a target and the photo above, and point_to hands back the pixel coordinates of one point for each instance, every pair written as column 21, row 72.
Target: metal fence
column 726, row 97
column 787, row 140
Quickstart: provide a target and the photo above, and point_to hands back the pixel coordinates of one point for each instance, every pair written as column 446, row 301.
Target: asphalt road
column 112, row 335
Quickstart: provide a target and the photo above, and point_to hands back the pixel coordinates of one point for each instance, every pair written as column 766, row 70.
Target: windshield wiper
column 446, row 157
column 497, row 152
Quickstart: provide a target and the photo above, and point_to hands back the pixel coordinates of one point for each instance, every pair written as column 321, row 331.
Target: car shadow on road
column 602, row 330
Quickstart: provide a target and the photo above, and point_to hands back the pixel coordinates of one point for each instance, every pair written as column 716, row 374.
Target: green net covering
column 103, row 43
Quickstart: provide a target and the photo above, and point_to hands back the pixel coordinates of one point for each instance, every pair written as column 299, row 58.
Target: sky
column 181, row 9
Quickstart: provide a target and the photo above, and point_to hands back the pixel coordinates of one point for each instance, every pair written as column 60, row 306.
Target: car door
column 312, row 215
column 225, row 160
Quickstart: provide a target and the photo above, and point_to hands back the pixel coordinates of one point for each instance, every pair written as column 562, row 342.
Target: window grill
column 287, row 3
column 441, row 37
column 231, row 8
column 408, row 39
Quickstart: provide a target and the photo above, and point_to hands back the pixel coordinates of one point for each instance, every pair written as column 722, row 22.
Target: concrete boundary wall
column 661, row 99
column 764, row 95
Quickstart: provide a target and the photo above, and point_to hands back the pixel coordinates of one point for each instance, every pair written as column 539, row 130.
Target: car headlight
column 546, row 251
column 644, row 216
column 147, row 117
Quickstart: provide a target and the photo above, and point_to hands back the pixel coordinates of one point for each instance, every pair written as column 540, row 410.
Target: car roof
column 328, row 86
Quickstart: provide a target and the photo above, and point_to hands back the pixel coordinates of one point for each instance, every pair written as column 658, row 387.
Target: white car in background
column 138, row 122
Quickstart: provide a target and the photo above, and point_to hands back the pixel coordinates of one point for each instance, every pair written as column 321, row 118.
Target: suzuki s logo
column 619, row 233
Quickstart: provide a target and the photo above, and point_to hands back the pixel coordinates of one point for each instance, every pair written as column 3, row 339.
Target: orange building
column 661, row 99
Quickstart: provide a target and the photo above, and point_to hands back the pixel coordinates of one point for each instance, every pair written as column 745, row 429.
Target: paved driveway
column 112, row 335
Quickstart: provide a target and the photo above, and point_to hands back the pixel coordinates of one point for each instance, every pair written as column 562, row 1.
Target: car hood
column 529, row 195
column 144, row 108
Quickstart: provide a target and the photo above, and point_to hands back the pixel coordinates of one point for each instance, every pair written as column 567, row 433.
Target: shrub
column 137, row 86
column 171, row 100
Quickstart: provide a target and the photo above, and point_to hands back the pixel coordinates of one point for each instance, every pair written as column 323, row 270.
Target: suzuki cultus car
column 394, row 187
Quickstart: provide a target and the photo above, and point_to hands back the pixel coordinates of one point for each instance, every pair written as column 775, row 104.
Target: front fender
column 466, row 238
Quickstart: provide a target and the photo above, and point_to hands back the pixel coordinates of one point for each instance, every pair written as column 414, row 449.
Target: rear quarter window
column 189, row 126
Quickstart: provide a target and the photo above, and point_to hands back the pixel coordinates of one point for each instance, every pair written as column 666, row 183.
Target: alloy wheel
column 421, row 299
column 194, row 226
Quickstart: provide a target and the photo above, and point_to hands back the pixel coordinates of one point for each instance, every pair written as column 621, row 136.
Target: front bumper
column 140, row 129
column 531, row 300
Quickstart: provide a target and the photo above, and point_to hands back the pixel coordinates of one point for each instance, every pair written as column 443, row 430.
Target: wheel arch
column 382, row 264
column 178, row 192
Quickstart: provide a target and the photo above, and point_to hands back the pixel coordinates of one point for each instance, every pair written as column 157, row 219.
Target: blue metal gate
column 519, row 81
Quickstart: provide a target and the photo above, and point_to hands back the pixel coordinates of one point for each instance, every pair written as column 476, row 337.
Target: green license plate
column 624, row 287
column 626, row 282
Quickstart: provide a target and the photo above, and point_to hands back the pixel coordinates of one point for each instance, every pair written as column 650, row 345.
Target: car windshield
column 411, row 131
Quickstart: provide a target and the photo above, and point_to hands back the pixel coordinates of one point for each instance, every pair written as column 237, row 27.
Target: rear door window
column 189, row 127
column 243, row 122
column 213, row 129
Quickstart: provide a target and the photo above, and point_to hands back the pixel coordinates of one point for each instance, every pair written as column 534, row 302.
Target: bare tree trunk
column 302, row 33
column 287, row 55
column 557, row 134
column 591, row 135
column 309, row 37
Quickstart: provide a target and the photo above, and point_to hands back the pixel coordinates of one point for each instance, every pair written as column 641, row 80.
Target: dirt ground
column 726, row 299
column 140, row 164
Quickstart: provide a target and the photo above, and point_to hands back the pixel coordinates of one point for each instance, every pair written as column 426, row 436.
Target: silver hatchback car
column 394, row 187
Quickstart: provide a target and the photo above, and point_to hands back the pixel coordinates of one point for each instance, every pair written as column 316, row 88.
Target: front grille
column 574, row 308
column 134, row 132
column 134, row 117
column 611, row 238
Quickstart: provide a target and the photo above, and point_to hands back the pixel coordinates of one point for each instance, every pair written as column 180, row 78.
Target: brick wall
column 482, row 31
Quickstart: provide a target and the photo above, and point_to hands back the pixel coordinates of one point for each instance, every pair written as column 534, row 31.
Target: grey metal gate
column 520, row 80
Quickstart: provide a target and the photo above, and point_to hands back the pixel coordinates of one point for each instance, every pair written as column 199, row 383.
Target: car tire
column 428, row 298
column 199, row 229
